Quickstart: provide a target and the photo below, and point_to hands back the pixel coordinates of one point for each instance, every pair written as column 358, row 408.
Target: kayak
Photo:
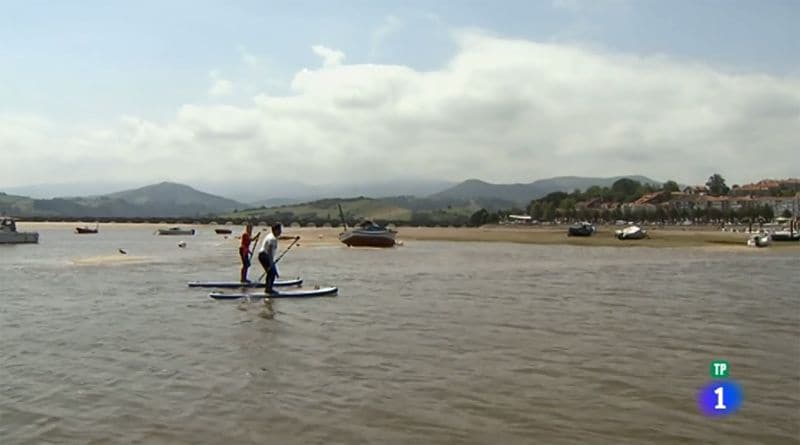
column 299, row 293
column 238, row 284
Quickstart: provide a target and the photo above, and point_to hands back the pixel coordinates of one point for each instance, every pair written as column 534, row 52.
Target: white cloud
column 330, row 57
column 500, row 109
column 221, row 87
column 390, row 26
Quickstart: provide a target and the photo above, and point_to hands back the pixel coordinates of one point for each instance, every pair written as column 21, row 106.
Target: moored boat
column 582, row 229
column 9, row 234
column 368, row 234
column 632, row 232
column 85, row 230
column 785, row 235
column 790, row 233
column 223, row 231
column 176, row 231
column 760, row 240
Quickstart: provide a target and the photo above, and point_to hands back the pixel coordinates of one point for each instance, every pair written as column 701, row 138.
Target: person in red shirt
column 244, row 251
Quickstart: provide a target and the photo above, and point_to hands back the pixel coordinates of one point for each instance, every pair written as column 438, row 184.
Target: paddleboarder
column 244, row 251
column 266, row 255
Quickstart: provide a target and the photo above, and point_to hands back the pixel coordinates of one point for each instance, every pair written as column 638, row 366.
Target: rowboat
column 85, row 230
column 176, row 231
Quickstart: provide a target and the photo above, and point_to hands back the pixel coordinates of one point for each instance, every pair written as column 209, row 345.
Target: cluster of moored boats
column 588, row 229
column 764, row 238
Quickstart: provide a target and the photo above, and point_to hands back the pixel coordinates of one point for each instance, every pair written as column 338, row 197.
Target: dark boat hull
column 223, row 231
column 363, row 240
column 580, row 231
column 85, row 231
column 785, row 237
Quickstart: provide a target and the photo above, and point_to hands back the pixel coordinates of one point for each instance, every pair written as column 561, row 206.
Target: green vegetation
column 399, row 210
column 716, row 185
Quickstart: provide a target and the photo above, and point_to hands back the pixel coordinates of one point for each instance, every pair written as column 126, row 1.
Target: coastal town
column 764, row 201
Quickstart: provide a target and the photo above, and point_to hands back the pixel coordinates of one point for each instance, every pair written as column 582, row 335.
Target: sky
column 323, row 92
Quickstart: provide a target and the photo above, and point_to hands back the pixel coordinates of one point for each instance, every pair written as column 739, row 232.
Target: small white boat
column 632, row 232
column 786, row 234
column 759, row 240
column 176, row 231
column 9, row 234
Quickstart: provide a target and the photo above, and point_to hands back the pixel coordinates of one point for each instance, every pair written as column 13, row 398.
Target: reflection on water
column 436, row 343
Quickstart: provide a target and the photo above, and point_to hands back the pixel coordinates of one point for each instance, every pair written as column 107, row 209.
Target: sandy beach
column 663, row 236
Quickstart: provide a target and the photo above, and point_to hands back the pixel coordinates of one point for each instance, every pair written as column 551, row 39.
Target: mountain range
column 522, row 194
column 165, row 199
column 169, row 199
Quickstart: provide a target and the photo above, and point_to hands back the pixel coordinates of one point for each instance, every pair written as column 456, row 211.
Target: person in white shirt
column 267, row 254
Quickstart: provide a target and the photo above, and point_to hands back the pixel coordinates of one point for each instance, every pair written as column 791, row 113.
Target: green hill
column 522, row 194
column 165, row 200
column 167, row 196
column 405, row 209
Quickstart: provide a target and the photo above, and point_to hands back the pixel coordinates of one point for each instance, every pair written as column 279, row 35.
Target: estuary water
column 431, row 342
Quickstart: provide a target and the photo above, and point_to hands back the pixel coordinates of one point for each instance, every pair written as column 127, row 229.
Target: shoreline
column 660, row 237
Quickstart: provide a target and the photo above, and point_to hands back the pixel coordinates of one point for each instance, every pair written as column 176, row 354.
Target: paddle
column 254, row 240
column 341, row 214
column 296, row 239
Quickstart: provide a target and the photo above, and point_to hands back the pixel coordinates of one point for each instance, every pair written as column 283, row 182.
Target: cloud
column 390, row 26
column 499, row 109
column 330, row 57
column 221, row 87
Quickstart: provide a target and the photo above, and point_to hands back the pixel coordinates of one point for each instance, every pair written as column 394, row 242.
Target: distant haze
column 262, row 101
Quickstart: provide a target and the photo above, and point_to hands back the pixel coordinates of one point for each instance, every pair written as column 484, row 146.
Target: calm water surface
column 433, row 342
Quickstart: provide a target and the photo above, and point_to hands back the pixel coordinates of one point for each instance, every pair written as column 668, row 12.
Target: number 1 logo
column 720, row 392
column 720, row 398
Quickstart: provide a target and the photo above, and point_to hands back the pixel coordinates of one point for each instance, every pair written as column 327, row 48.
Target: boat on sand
column 761, row 239
column 632, row 232
column 581, row 229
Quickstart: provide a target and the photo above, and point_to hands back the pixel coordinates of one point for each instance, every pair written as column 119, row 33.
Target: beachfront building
column 520, row 219
column 769, row 187
column 696, row 190
column 780, row 204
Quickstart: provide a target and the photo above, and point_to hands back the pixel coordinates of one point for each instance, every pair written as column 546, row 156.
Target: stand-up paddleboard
column 299, row 293
column 237, row 284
